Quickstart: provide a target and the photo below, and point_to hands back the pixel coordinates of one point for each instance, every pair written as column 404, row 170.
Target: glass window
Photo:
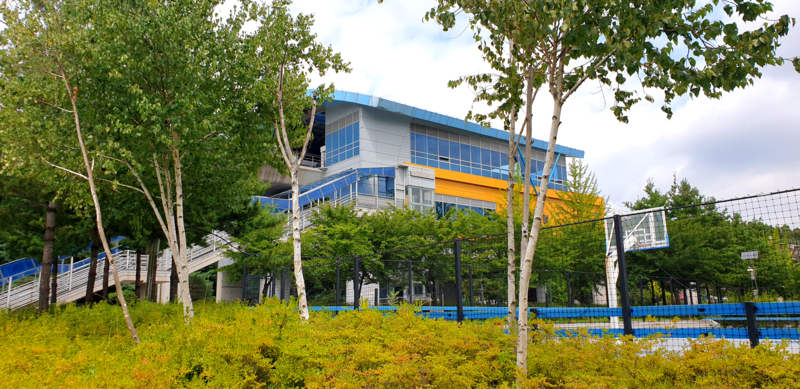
column 486, row 157
column 422, row 144
column 504, row 162
column 421, row 199
column 496, row 159
column 433, row 146
column 465, row 153
column 476, row 154
column 342, row 144
column 454, row 148
column 349, row 135
column 444, row 148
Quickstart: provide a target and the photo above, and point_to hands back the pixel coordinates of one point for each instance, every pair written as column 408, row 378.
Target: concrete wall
column 226, row 290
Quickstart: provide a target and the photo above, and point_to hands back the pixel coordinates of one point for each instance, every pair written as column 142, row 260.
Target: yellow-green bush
column 234, row 346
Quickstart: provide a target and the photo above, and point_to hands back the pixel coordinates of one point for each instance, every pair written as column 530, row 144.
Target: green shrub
column 234, row 346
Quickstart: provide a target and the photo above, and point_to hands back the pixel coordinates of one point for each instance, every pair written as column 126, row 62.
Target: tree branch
column 53, row 106
column 586, row 76
column 63, row 168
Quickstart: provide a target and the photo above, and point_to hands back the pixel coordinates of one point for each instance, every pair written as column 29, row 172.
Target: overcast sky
column 745, row 143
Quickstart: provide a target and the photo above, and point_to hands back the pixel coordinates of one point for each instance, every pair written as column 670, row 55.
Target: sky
column 747, row 142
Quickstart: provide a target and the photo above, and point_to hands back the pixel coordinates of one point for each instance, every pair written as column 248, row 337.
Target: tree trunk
column 298, row 264
column 173, row 284
column 106, row 268
column 47, row 257
column 527, row 262
column 511, row 319
column 138, row 279
column 73, row 94
column 186, row 298
column 54, row 285
column 92, row 268
column 526, row 182
column 152, row 262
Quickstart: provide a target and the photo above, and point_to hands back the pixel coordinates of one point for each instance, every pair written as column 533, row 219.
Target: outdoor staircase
column 72, row 283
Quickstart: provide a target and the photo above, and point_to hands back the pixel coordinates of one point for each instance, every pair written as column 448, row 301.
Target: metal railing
column 72, row 284
column 359, row 201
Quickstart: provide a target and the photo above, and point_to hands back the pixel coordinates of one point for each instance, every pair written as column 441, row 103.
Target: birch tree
column 289, row 43
column 674, row 46
column 40, row 60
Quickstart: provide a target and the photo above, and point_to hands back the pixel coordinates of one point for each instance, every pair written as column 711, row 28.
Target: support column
column 623, row 276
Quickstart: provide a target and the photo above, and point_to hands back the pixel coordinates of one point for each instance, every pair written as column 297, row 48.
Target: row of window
column 342, row 144
column 450, row 155
column 443, row 208
column 445, row 154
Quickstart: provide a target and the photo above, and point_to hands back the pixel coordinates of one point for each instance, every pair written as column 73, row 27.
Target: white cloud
column 743, row 143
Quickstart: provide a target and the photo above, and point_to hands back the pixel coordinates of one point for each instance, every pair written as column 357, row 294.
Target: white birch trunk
column 526, row 184
column 511, row 320
column 298, row 247
column 98, row 213
column 527, row 261
column 183, row 269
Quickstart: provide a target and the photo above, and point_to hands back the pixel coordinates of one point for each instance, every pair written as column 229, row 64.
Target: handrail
column 72, row 284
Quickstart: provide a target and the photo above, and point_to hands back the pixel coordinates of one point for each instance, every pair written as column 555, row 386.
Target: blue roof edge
column 433, row 117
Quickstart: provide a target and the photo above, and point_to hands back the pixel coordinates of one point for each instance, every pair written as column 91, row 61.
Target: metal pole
column 410, row 293
column 641, row 291
column 377, row 303
column 674, row 299
column 8, row 297
column 569, row 292
column 338, row 277
column 459, row 292
column 71, row 265
column 623, row 277
column 471, row 299
column 356, row 284
column 283, row 283
column 652, row 293
column 752, row 328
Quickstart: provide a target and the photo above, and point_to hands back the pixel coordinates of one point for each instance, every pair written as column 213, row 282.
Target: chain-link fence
column 725, row 269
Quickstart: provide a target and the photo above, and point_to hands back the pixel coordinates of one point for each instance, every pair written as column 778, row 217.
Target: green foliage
column 257, row 244
column 235, row 346
column 706, row 243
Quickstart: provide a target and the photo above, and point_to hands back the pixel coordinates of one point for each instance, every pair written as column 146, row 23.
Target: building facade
column 377, row 152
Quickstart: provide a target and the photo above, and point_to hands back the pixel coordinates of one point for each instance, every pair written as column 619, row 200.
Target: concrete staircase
column 72, row 284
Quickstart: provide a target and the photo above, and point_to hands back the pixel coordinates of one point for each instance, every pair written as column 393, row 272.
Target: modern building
column 379, row 152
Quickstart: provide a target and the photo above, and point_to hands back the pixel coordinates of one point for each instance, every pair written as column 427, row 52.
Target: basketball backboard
column 643, row 230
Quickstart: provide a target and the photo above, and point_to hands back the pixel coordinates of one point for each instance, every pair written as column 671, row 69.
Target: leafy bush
column 234, row 346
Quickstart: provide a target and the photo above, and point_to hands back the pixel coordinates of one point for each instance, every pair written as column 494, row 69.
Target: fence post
column 283, row 283
column 652, row 292
column 752, row 329
column 471, row 299
column 674, row 299
column 8, row 297
column 641, row 291
column 569, row 292
column 244, row 284
column 459, row 291
column 410, row 293
column 356, row 284
column 377, row 302
column 338, row 277
column 623, row 277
